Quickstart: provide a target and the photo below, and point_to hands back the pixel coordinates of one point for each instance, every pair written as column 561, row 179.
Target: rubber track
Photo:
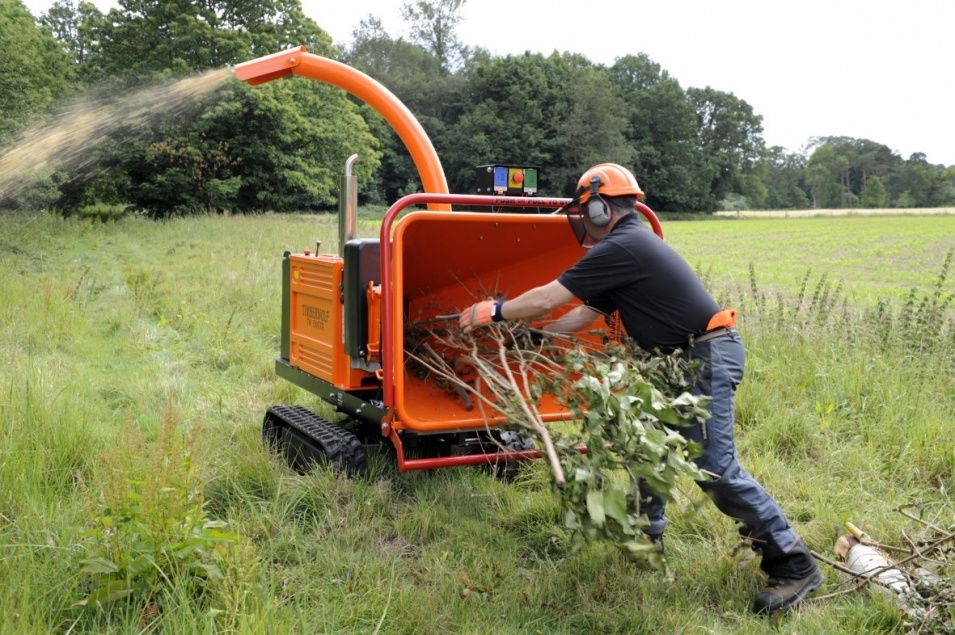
column 316, row 440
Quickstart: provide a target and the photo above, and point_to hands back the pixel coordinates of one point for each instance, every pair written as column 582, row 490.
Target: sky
column 874, row 69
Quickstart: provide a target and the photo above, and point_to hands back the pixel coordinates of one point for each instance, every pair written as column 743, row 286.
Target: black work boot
column 781, row 594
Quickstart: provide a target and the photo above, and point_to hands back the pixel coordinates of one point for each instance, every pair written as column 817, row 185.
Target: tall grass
column 130, row 346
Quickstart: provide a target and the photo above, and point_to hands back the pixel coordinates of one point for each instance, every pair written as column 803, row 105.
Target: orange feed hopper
column 444, row 262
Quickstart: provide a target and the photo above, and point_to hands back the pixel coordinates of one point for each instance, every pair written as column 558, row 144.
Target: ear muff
column 597, row 209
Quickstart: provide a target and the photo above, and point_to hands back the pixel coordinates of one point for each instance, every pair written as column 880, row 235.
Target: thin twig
column 535, row 422
column 860, row 583
column 462, row 394
column 454, row 379
column 925, row 523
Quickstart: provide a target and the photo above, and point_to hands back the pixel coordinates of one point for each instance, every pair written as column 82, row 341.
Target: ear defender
column 597, row 210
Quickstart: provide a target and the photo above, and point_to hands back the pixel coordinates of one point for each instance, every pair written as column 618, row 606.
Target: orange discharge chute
column 298, row 61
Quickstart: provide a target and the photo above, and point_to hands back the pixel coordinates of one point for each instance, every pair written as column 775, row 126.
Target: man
column 664, row 306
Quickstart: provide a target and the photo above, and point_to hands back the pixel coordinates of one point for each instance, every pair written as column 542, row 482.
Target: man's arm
column 577, row 319
column 537, row 301
column 529, row 304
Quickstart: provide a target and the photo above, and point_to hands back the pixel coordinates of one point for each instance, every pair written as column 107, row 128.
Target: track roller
column 305, row 440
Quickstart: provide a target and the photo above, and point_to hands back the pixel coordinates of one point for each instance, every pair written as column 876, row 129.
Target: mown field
column 138, row 363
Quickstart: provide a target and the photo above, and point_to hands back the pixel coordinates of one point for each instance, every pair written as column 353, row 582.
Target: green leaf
column 185, row 549
column 211, row 570
column 99, row 565
column 220, row 536
column 615, row 505
column 110, row 592
column 142, row 563
column 595, row 507
column 570, row 520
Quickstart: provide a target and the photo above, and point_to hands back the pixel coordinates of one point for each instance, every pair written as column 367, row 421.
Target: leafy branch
column 629, row 405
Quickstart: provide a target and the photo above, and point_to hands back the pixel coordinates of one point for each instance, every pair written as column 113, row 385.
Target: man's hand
column 480, row 314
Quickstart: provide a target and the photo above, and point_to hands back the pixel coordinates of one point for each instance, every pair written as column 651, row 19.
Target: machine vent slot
column 315, row 358
column 323, row 279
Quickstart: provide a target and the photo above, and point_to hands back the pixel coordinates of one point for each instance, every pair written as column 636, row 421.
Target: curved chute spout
column 298, row 61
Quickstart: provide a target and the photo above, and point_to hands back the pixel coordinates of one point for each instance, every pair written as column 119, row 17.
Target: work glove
column 480, row 314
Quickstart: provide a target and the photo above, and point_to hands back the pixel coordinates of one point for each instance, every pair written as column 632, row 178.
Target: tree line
column 281, row 146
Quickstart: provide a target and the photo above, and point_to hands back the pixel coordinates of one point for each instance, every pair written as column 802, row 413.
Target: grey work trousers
column 735, row 492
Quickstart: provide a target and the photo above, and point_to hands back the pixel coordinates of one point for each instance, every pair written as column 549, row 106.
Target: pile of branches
column 629, row 406
column 918, row 574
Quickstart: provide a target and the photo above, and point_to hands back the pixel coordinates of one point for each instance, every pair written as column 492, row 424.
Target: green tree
column 280, row 146
column 872, row 159
column 75, row 27
column 34, row 71
column 921, row 184
column 284, row 159
column 873, row 195
column 559, row 112
column 825, row 172
column 860, row 159
column 662, row 129
column 415, row 76
column 504, row 121
column 785, row 179
column 432, row 25
column 585, row 123
column 730, row 141
column 150, row 38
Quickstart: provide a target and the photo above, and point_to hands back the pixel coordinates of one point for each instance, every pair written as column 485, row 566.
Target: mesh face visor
column 575, row 218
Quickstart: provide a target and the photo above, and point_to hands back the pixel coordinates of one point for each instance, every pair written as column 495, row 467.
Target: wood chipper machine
column 345, row 316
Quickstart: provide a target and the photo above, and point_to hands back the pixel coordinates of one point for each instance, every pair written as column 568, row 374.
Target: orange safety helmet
column 614, row 180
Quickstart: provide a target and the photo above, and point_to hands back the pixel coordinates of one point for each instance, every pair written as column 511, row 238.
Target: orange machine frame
column 316, row 322
column 422, row 241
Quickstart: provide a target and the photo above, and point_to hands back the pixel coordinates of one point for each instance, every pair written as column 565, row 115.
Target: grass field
column 138, row 362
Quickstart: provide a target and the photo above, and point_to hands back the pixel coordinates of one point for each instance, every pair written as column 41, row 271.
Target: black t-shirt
column 661, row 300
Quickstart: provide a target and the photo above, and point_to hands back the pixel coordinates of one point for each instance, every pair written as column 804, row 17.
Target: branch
column 533, row 418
